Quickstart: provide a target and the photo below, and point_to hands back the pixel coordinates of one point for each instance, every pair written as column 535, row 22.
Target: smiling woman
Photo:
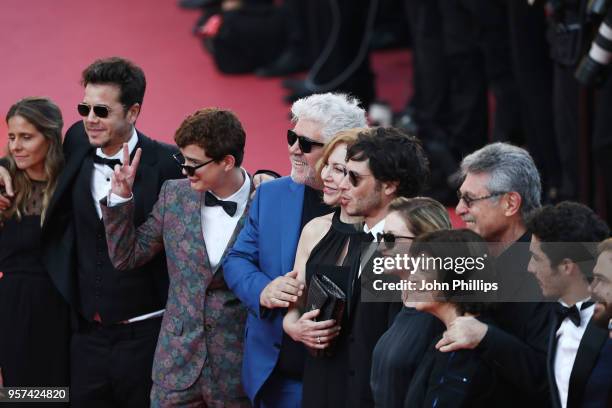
column 33, row 316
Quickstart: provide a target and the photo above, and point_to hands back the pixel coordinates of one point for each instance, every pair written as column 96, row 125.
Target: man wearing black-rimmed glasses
column 117, row 316
column 501, row 186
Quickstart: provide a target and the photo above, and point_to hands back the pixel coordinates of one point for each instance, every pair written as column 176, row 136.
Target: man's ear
column 568, row 267
column 132, row 113
column 512, row 203
column 390, row 187
column 229, row 162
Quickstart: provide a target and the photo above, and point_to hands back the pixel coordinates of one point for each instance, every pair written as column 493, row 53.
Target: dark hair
column 121, row 72
column 46, row 117
column 460, row 243
column 394, row 156
column 217, row 131
column 574, row 224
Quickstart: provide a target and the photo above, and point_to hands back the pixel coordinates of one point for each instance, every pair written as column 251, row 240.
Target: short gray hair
column 511, row 169
column 333, row 111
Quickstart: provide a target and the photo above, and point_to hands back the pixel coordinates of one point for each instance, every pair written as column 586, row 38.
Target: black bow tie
column 368, row 237
column 230, row 207
column 572, row 312
column 109, row 162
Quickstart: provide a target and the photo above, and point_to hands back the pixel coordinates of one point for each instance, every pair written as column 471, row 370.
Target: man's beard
column 602, row 314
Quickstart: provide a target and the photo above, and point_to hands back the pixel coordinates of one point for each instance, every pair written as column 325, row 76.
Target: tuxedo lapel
column 550, row 361
column 192, row 207
column 65, row 180
column 291, row 220
column 588, row 352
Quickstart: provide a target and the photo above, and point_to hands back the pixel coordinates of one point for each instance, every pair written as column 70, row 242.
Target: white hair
column 333, row 111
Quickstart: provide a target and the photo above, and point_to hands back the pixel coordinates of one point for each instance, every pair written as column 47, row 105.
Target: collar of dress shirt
column 578, row 304
column 376, row 229
column 119, row 155
column 241, row 196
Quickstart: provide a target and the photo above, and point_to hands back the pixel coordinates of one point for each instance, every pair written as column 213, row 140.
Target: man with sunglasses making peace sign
column 257, row 268
column 117, row 315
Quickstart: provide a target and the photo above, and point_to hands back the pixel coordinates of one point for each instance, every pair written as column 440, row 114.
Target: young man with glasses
column 194, row 221
column 117, row 315
column 384, row 163
column 259, row 266
column 501, row 186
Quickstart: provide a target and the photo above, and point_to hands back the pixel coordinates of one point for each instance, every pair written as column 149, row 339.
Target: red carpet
column 46, row 44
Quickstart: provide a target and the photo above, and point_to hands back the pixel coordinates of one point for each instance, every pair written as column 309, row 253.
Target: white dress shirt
column 568, row 339
column 101, row 176
column 376, row 229
column 218, row 226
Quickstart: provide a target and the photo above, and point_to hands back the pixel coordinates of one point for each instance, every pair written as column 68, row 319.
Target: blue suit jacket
column 264, row 250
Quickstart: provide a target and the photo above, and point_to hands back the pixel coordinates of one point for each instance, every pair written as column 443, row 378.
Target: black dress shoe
column 288, row 63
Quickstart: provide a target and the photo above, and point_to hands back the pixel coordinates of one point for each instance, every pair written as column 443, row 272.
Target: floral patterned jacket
column 204, row 321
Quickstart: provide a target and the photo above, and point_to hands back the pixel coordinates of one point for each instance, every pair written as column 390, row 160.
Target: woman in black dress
column 34, row 319
column 400, row 350
column 328, row 246
column 458, row 379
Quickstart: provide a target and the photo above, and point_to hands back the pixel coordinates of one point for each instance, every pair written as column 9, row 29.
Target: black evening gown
column 324, row 381
column 34, row 319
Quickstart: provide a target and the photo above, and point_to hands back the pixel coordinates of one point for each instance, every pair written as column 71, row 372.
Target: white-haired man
column 257, row 267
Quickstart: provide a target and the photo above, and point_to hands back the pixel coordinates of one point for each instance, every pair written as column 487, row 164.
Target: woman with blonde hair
column 399, row 351
column 34, row 318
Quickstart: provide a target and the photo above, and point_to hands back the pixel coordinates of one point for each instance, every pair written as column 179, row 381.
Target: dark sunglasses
column 305, row 143
column 390, row 239
column 355, row 178
column 100, row 111
column 469, row 200
column 190, row 170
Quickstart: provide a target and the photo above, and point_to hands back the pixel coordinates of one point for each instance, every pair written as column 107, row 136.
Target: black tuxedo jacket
column 58, row 230
column 590, row 346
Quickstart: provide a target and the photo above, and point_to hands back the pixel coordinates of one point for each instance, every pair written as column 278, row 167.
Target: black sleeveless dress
column 324, row 383
column 34, row 319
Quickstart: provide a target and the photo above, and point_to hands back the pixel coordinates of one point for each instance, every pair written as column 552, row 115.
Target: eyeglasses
column 469, row 200
column 305, row 143
column 355, row 178
column 390, row 239
column 190, row 170
column 100, row 111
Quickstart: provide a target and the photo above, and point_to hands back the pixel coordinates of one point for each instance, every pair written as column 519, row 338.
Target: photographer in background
column 581, row 121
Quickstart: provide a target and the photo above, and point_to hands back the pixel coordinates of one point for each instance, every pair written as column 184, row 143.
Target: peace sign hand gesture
column 122, row 178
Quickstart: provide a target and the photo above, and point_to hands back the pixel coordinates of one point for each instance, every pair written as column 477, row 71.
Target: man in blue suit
column 258, row 269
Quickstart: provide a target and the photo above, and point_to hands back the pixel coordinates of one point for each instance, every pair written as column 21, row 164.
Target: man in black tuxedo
column 383, row 164
column 598, row 390
column 563, row 266
column 117, row 315
column 501, row 185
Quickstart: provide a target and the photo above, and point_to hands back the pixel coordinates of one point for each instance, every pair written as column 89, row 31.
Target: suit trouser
column 350, row 21
column 476, row 42
column 430, row 71
column 533, row 69
column 279, row 392
column 111, row 366
column 205, row 392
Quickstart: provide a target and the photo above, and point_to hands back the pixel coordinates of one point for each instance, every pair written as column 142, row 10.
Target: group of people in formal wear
column 143, row 274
